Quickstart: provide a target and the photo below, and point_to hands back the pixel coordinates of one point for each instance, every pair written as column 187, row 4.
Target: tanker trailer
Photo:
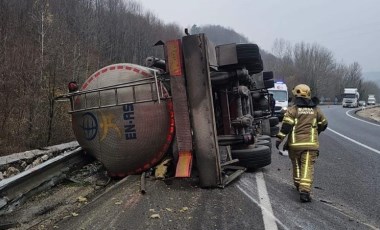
column 123, row 116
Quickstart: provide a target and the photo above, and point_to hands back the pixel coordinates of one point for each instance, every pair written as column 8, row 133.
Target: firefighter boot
column 305, row 197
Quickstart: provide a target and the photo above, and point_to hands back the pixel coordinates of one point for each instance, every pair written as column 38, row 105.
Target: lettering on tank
column 305, row 111
column 129, row 122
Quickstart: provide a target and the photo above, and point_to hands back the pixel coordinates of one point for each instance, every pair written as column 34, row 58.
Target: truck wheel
column 273, row 121
column 254, row 157
column 269, row 84
column 248, row 55
column 250, row 151
column 265, row 127
column 265, row 143
column 267, row 75
column 256, row 164
column 274, row 130
column 263, row 137
column 262, row 103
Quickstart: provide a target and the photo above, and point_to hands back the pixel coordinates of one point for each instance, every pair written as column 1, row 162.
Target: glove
column 278, row 142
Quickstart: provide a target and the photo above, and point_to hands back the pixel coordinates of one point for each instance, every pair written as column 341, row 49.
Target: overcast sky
column 348, row 28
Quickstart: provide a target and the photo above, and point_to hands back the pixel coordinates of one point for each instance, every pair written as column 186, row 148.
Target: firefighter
column 302, row 123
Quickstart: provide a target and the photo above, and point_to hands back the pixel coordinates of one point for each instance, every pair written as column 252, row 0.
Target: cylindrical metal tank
column 119, row 120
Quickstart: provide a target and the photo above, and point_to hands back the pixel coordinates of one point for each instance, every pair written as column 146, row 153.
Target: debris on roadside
column 16, row 163
column 118, row 202
column 162, row 168
column 184, row 209
column 155, row 216
column 74, row 214
column 82, row 199
column 12, row 171
column 93, row 173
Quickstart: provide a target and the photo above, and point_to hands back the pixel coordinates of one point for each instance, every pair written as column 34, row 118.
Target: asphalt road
column 346, row 174
column 345, row 195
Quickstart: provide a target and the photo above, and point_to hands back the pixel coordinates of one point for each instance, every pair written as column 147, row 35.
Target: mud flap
column 185, row 160
column 181, row 109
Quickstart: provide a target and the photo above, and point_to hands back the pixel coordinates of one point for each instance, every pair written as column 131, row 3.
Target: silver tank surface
column 125, row 128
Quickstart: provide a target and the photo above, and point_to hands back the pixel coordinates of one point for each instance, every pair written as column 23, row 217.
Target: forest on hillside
column 44, row 44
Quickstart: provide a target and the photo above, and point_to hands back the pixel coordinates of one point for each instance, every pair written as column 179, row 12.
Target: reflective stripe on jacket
column 303, row 124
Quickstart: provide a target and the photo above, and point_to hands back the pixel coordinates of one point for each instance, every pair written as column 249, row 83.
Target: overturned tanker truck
column 202, row 104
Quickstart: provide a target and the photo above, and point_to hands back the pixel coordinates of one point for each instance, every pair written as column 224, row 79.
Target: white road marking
column 269, row 221
column 347, row 113
column 356, row 142
column 264, row 203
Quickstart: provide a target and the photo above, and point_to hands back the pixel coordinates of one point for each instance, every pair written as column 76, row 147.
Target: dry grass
column 371, row 113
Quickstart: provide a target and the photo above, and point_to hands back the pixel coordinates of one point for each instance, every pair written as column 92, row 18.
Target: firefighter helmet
column 302, row 90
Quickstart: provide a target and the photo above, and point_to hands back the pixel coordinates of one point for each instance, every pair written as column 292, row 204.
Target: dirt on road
column 370, row 113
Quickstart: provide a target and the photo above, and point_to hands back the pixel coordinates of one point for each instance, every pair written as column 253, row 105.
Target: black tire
column 264, row 137
column 256, row 164
column 269, row 84
column 273, row 121
column 254, row 68
column 255, row 157
column 274, row 130
column 263, row 102
column 267, row 75
column 249, row 56
column 247, row 51
column 256, row 95
column 265, row 127
column 250, row 151
column 265, row 143
column 230, row 140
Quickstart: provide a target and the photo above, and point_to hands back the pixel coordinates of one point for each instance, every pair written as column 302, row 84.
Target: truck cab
column 371, row 100
column 280, row 95
column 350, row 97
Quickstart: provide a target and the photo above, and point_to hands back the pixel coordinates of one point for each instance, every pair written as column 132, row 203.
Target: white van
column 371, row 100
column 280, row 95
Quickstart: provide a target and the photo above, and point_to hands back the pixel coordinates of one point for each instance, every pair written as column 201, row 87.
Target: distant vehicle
column 362, row 103
column 371, row 99
column 350, row 97
column 280, row 95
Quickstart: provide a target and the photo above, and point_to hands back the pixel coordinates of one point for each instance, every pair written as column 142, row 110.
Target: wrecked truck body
column 204, row 105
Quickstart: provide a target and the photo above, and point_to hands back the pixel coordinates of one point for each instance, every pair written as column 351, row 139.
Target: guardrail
column 15, row 190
